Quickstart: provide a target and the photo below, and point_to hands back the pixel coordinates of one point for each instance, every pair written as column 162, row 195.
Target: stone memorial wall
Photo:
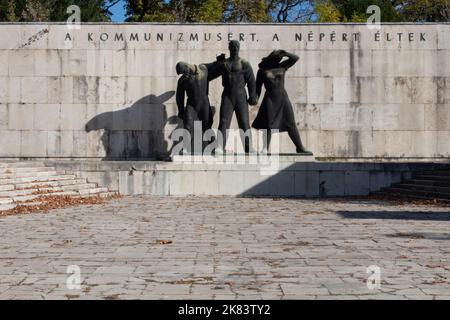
column 107, row 91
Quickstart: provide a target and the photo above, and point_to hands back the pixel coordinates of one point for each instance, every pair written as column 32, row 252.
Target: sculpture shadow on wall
column 136, row 132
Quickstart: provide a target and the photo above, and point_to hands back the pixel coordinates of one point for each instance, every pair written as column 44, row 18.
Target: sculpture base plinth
column 285, row 175
column 229, row 158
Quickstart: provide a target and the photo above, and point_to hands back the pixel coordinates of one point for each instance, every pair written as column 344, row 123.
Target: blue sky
column 118, row 12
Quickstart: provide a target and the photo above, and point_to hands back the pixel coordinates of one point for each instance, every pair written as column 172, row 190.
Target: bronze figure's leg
column 204, row 115
column 292, row 127
column 226, row 114
column 188, row 123
column 244, row 124
column 266, row 140
column 295, row 137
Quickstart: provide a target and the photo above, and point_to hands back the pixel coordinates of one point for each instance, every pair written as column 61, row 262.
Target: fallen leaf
column 163, row 241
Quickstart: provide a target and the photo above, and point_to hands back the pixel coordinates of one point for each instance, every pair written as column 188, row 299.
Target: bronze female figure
column 276, row 111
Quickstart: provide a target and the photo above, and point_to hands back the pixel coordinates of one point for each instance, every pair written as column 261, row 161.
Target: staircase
column 28, row 183
column 431, row 184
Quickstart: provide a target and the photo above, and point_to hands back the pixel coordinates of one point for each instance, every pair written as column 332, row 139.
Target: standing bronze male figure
column 236, row 74
column 276, row 111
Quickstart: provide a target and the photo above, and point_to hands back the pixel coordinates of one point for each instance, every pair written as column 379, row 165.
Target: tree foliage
column 290, row 10
column 53, row 10
column 327, row 12
column 220, row 10
column 355, row 10
column 228, row 10
column 424, row 10
column 391, row 10
column 148, row 11
column 197, row 10
column 246, row 11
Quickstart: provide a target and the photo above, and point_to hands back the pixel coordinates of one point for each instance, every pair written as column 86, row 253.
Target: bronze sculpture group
column 275, row 113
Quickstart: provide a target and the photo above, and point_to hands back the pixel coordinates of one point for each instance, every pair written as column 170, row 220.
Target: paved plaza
column 228, row 248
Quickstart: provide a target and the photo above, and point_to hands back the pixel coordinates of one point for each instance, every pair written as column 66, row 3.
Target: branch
column 113, row 3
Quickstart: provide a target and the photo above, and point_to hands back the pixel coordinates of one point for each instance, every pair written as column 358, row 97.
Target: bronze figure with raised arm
column 276, row 111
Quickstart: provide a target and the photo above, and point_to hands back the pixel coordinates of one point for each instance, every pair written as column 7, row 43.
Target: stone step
column 37, row 179
column 62, row 193
column 76, row 187
column 9, row 206
column 85, row 193
column 6, row 187
column 437, row 173
column 28, row 204
column 5, row 201
column 21, row 164
column 422, row 187
column 16, row 193
column 23, row 169
column 91, row 191
column 439, row 183
column 108, row 194
column 59, row 193
column 432, row 177
column 29, row 197
column 26, row 174
column 101, row 195
column 43, row 184
column 82, row 192
column 23, row 198
column 421, row 193
column 26, row 183
column 4, row 207
column 388, row 193
column 47, row 190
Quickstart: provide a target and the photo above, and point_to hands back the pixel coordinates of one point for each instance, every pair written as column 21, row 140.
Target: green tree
column 197, row 10
column 91, row 10
column 355, row 10
column 11, row 10
column 246, row 11
column 424, row 10
column 149, row 11
column 54, row 10
column 327, row 12
column 34, row 10
column 290, row 10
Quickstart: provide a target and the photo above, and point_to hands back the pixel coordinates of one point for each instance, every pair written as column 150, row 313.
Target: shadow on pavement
column 396, row 215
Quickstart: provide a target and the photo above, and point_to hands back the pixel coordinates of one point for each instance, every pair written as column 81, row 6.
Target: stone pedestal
column 242, row 158
column 289, row 176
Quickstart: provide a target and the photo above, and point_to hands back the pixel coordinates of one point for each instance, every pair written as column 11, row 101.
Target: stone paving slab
column 227, row 248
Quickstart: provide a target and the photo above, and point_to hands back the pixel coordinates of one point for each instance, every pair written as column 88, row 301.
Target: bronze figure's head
column 234, row 47
column 271, row 61
column 183, row 68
